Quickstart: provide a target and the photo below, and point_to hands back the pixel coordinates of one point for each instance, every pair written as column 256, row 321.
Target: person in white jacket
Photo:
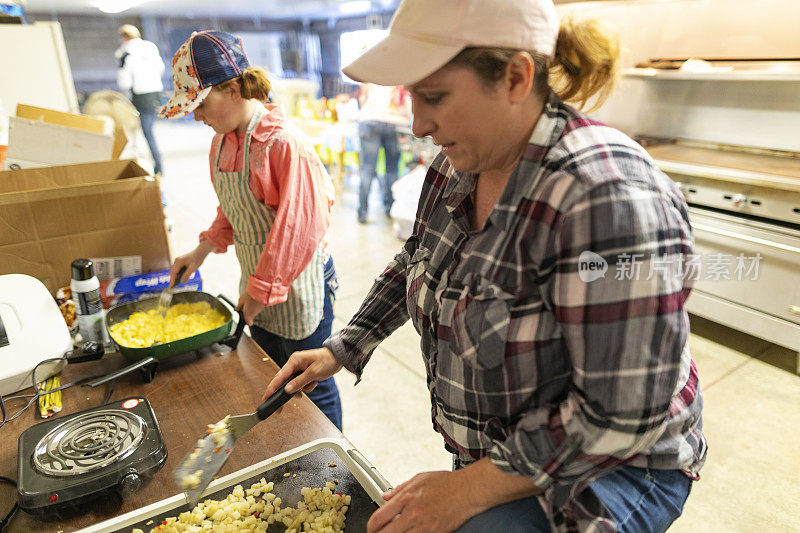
column 139, row 77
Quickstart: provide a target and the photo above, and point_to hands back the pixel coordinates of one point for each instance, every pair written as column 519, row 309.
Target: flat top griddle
column 307, row 466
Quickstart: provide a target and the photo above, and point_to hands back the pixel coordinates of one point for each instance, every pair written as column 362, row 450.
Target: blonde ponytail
column 253, row 83
column 585, row 63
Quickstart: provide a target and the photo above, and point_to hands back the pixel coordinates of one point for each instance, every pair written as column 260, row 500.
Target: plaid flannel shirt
column 555, row 371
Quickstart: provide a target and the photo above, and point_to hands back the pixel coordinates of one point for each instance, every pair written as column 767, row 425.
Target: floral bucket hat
column 206, row 59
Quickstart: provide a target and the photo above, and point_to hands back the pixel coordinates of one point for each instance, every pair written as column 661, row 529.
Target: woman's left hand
column 430, row 501
column 250, row 307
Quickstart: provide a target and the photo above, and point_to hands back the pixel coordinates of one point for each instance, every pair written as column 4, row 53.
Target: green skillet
column 222, row 334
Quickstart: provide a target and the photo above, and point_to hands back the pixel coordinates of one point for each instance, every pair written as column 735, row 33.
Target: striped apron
column 300, row 314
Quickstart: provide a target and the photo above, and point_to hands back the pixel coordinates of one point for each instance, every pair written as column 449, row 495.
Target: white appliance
column 31, row 330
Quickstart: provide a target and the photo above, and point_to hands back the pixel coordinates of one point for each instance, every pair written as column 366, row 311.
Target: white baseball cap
column 425, row 34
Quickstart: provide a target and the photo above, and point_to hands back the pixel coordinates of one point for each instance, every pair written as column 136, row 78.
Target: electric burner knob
column 739, row 200
column 130, row 483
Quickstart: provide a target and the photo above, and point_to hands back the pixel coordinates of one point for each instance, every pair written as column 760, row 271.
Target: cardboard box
column 102, row 125
column 52, row 144
column 52, row 215
column 11, row 163
column 120, row 141
column 70, row 120
column 106, row 268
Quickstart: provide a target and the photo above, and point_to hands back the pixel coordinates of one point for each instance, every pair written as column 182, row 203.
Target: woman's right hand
column 191, row 261
column 316, row 365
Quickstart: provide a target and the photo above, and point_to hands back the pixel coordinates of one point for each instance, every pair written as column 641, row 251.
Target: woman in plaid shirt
column 545, row 278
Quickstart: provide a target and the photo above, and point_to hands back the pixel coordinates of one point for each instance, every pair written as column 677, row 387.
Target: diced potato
column 240, row 512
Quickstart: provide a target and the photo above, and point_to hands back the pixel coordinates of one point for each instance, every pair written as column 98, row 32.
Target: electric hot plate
column 74, row 459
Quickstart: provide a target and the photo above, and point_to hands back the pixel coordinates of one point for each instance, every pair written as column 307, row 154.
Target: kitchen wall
column 752, row 113
column 91, row 40
column 765, row 114
column 307, row 49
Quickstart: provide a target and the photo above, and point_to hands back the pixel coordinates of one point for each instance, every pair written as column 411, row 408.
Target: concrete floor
column 752, row 400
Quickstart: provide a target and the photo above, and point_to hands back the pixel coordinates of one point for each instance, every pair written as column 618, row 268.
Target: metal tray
column 307, row 466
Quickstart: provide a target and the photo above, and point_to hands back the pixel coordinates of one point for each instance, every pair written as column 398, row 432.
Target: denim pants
column 373, row 135
column 640, row 500
column 325, row 395
column 147, row 117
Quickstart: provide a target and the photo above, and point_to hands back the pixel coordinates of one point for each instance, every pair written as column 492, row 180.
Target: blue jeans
column 373, row 135
column 147, row 117
column 325, row 395
column 148, row 104
column 640, row 500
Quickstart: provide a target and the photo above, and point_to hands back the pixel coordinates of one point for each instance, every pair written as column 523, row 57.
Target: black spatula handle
column 178, row 276
column 274, row 402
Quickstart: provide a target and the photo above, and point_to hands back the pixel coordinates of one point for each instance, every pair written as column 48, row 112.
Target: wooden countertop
column 189, row 391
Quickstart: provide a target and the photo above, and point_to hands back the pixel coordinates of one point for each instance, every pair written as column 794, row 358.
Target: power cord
column 111, row 386
column 33, row 397
column 7, row 518
column 40, row 392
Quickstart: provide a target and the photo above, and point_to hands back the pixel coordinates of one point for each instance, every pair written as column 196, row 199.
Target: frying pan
column 221, row 334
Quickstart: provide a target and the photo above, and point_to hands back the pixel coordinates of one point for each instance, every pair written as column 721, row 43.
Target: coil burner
column 71, row 460
column 88, row 442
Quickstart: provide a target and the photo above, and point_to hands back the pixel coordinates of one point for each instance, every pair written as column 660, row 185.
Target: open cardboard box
column 52, row 215
column 41, row 137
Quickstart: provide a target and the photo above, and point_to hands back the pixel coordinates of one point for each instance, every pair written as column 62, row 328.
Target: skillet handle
column 232, row 341
column 276, row 401
column 143, row 363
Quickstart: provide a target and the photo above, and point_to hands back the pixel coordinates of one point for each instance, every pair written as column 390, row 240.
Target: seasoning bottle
column 88, row 306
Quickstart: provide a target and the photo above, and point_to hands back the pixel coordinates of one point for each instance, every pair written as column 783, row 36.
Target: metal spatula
column 165, row 298
column 202, row 464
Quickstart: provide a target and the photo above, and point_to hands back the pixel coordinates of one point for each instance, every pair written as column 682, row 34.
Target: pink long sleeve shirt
column 286, row 175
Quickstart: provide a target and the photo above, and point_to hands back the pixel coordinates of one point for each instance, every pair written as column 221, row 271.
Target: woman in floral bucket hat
column 275, row 199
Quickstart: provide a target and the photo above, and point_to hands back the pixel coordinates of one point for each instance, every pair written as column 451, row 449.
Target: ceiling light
column 118, row 6
column 355, row 6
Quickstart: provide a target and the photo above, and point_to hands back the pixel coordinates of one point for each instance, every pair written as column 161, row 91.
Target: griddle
column 308, row 468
